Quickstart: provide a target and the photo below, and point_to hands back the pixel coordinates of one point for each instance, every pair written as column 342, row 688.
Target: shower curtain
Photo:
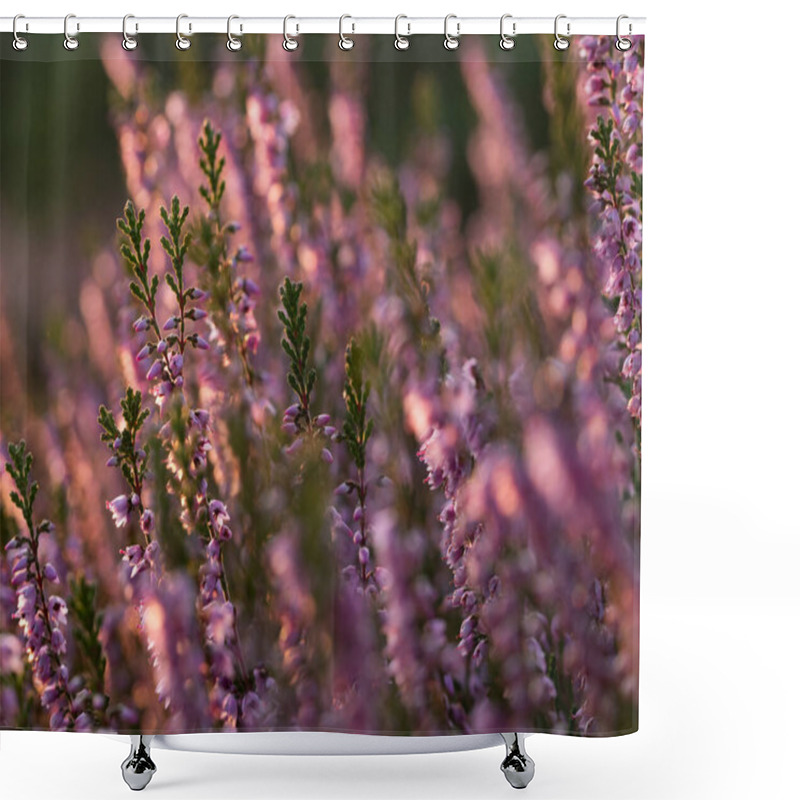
column 320, row 400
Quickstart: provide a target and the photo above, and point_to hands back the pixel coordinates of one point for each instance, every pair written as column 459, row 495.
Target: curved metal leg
column 517, row 766
column 138, row 768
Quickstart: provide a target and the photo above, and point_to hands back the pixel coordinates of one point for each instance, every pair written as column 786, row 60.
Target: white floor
column 719, row 719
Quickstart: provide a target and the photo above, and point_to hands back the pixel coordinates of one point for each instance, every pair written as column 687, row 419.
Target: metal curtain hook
column 507, row 42
column 623, row 44
column 70, row 41
column 345, row 42
column 289, row 42
column 20, row 43
column 450, row 41
column 181, row 42
column 128, row 42
column 234, row 42
column 561, row 43
column 401, row 42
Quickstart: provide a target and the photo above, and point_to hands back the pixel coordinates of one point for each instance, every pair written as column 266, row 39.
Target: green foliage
column 389, row 207
column 212, row 167
column 296, row 344
column 136, row 252
column 177, row 244
column 23, row 498
column 389, row 211
column 636, row 186
column 86, row 625
column 121, row 441
column 607, row 149
column 356, row 429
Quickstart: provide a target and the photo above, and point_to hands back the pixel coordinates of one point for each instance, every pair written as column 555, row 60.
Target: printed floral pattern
column 345, row 445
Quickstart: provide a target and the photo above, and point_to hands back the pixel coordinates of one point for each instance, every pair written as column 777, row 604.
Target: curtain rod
column 406, row 26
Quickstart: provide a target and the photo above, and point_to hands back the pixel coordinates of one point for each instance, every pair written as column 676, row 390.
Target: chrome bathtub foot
column 517, row 766
column 138, row 768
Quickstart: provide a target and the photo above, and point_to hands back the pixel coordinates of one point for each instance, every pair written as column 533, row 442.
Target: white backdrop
column 721, row 537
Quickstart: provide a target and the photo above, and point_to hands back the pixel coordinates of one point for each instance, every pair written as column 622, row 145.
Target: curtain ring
column 401, row 42
column 623, row 44
column 234, row 42
column 128, row 42
column 290, row 43
column 450, row 41
column 345, row 42
column 70, row 41
column 181, row 42
column 561, row 43
column 507, row 42
column 20, row 43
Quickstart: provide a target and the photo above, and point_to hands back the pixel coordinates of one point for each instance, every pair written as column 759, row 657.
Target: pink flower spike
column 171, row 324
column 293, row 447
column 143, row 353
column 147, row 521
column 58, row 641
column 250, row 288
column 141, row 324
column 175, row 363
column 120, row 508
column 225, row 533
column 251, row 341
column 199, row 418
column 58, row 610
column 154, row 371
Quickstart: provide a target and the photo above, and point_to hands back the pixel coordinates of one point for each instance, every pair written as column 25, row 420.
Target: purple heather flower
column 250, row 288
column 218, row 514
column 618, row 243
column 57, row 609
column 199, row 418
column 155, row 371
column 147, row 521
column 10, row 655
column 291, row 449
column 175, row 363
column 225, row 533
column 243, row 254
column 120, row 508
